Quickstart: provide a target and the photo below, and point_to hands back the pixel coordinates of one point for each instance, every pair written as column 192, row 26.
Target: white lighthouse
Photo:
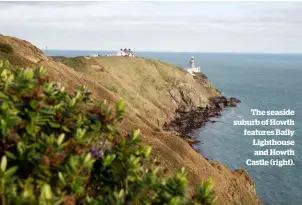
column 193, row 69
column 192, row 62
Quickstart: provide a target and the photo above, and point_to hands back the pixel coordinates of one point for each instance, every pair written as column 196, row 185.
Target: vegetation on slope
column 6, row 48
column 57, row 148
column 77, row 63
column 7, row 52
column 152, row 88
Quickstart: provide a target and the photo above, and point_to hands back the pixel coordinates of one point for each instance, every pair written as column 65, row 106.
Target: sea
column 260, row 81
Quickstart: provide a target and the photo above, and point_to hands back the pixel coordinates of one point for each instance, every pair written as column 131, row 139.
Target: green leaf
column 65, row 128
column 4, row 74
column 4, row 127
column 80, row 134
column 148, row 151
column 31, row 129
column 3, row 96
column 46, row 190
column 21, row 148
column 13, row 121
column 28, row 74
column 54, row 125
column 3, row 163
column 87, row 158
column 72, row 102
column 109, row 159
column 135, row 135
column 120, row 105
column 33, row 104
column 61, row 177
column 6, row 64
column 175, row 201
column 121, row 193
column 61, row 138
column 11, row 171
column 42, row 70
column 10, row 155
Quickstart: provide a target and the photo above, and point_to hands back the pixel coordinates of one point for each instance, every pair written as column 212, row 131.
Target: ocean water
column 261, row 81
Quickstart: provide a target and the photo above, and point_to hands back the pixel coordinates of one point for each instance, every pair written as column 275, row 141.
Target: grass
column 15, row 60
column 143, row 83
column 156, row 129
column 77, row 63
column 5, row 48
column 113, row 89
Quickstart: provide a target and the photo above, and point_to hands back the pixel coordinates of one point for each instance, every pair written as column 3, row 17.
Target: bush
column 5, row 48
column 57, row 148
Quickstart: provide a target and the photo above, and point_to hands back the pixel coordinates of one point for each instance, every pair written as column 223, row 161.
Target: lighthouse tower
column 193, row 69
column 192, row 62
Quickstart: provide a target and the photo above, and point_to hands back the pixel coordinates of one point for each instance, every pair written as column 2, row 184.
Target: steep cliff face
column 153, row 90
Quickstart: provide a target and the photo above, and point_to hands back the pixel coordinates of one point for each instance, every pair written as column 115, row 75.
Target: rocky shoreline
column 186, row 121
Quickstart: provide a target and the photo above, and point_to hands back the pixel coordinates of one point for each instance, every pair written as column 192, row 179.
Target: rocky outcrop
column 189, row 115
column 187, row 120
column 222, row 101
column 185, row 99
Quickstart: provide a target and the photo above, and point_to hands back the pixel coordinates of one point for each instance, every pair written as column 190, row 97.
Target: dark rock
column 218, row 100
column 186, row 120
column 221, row 105
column 235, row 100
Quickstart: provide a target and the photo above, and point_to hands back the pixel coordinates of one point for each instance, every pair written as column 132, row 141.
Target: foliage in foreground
column 57, row 148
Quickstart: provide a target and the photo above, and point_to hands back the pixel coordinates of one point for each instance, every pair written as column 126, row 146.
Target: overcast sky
column 274, row 27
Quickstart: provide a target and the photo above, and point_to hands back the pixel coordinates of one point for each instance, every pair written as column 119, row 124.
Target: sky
column 252, row 27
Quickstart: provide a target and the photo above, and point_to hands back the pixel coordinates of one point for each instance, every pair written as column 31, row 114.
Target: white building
column 121, row 53
column 193, row 69
column 125, row 52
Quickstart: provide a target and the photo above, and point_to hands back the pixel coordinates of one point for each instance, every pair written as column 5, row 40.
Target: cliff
column 152, row 90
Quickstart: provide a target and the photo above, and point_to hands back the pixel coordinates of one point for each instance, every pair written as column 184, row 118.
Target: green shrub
column 57, row 148
column 5, row 48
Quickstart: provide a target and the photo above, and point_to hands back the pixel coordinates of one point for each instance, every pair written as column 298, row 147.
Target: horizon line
column 167, row 51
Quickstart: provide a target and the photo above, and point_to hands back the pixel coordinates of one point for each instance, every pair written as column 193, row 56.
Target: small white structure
column 193, row 69
column 93, row 55
column 125, row 52
column 121, row 53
